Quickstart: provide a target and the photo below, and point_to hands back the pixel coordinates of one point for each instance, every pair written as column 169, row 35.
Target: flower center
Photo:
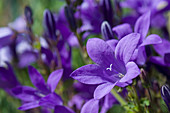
column 121, row 75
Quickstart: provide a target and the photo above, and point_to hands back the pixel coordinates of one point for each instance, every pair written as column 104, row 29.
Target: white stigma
column 109, row 68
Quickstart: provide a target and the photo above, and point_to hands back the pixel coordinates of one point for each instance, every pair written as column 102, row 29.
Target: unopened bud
column 70, row 18
column 106, row 31
column 28, row 15
column 49, row 24
column 165, row 93
column 107, row 10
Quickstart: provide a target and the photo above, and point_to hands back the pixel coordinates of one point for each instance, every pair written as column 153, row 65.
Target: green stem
column 137, row 99
column 82, row 52
column 118, row 97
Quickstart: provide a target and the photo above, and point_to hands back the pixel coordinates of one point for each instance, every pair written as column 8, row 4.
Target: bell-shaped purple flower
column 142, row 27
column 112, row 67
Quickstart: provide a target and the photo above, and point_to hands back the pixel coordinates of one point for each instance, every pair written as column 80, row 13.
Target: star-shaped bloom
column 44, row 94
column 142, row 27
column 111, row 68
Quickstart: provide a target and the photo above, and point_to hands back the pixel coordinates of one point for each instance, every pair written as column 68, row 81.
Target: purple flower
column 62, row 109
column 163, row 50
column 141, row 27
column 43, row 95
column 139, row 7
column 50, row 57
column 165, row 93
column 112, row 67
column 89, row 13
column 5, row 36
column 92, row 106
column 63, row 26
column 8, row 79
column 85, row 94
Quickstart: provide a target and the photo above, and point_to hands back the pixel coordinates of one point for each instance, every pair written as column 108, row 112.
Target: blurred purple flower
column 63, row 26
column 163, row 50
column 44, row 94
column 8, row 79
column 139, row 7
column 85, row 94
column 89, row 13
column 50, row 57
column 111, row 68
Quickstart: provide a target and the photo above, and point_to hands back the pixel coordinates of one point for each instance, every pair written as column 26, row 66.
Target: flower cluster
column 97, row 56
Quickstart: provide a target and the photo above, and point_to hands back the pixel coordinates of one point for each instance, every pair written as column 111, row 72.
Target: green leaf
column 116, row 109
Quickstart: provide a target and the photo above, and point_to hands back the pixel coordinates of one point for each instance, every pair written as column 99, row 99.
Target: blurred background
column 9, row 11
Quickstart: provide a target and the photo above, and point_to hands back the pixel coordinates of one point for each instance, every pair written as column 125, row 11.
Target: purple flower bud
column 165, row 93
column 106, row 31
column 107, row 11
column 28, row 15
column 49, row 24
column 70, row 18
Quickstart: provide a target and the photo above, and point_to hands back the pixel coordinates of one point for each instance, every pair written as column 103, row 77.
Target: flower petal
column 132, row 72
column 141, row 58
column 25, row 93
column 112, row 43
column 142, row 25
column 51, row 100
column 63, row 109
column 89, row 74
column 122, row 30
column 91, row 106
column 151, row 39
column 29, row 105
column 103, row 90
column 167, row 58
column 126, row 46
column 54, row 78
column 162, row 48
column 100, row 52
column 26, row 58
column 37, row 79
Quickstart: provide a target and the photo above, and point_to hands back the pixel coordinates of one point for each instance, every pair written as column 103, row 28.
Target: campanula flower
column 163, row 50
column 44, row 93
column 141, row 27
column 139, row 7
column 111, row 68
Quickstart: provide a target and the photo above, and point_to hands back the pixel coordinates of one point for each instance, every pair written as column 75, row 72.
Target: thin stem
column 137, row 99
column 82, row 52
column 118, row 97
